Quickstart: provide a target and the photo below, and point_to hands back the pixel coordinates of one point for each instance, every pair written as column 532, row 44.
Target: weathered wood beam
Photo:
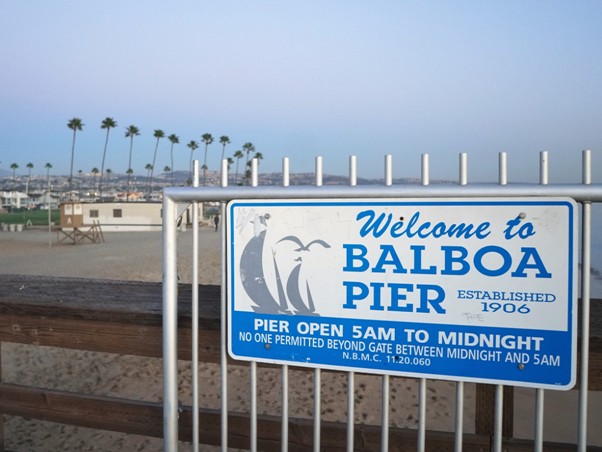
column 102, row 336
column 146, row 418
column 146, row 340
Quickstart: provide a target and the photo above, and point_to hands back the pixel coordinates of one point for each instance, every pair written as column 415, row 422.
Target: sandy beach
column 137, row 257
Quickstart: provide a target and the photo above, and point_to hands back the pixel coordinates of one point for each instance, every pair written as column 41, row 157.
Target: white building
column 117, row 216
column 13, row 200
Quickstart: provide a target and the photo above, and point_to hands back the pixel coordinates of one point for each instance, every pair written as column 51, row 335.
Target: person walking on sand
column 216, row 221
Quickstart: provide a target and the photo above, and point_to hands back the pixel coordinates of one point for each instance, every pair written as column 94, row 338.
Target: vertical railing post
column 503, row 168
column 223, row 317
column 351, row 374
column 195, row 311
column 459, row 412
column 539, row 393
column 425, row 170
column 499, row 389
column 317, row 370
column 498, row 418
column 463, row 177
column 585, row 305
column 508, row 392
column 285, row 385
column 384, row 445
column 170, row 325
column 459, row 422
column 421, row 440
column 253, row 365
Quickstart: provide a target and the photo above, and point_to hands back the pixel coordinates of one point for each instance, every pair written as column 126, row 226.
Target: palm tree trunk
column 71, row 170
column 127, row 196
column 171, row 156
column 150, row 187
column 205, row 166
column 102, row 166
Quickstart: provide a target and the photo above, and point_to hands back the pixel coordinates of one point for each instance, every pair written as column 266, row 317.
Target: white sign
column 475, row 290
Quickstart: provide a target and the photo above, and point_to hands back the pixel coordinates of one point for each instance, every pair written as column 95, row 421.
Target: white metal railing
column 585, row 193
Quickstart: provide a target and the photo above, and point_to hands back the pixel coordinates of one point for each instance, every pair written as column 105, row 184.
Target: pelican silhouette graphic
column 252, row 273
column 293, row 291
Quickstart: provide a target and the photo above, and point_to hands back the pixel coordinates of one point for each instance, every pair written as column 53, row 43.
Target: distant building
column 129, row 196
column 112, row 216
column 13, row 200
column 117, row 216
column 44, row 201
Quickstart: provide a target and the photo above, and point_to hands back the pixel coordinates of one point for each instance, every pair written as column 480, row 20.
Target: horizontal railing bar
column 579, row 192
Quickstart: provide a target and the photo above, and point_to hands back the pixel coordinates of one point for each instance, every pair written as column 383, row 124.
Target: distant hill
column 180, row 178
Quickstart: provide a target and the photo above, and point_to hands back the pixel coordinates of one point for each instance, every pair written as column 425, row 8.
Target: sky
column 300, row 79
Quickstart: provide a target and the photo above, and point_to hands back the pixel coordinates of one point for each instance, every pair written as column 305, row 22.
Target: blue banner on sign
column 464, row 353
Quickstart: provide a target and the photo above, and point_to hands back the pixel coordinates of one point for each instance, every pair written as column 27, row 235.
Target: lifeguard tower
column 72, row 228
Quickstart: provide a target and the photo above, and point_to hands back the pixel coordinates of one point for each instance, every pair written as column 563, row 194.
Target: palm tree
column 173, row 138
column 129, row 172
column 207, row 138
column 48, row 166
column 158, row 134
column 237, row 155
column 149, row 171
column 130, row 132
column 224, row 141
column 167, row 169
column 109, row 171
column 74, row 124
column 29, row 167
column 94, row 174
column 248, row 148
column 193, row 145
column 14, row 166
column 108, row 124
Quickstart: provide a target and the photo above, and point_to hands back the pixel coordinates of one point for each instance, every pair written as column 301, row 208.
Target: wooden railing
column 126, row 318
